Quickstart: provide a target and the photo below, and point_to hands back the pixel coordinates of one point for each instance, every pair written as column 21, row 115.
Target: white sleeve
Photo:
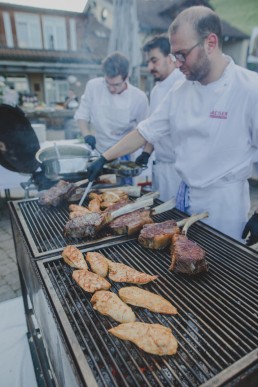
column 84, row 110
column 157, row 125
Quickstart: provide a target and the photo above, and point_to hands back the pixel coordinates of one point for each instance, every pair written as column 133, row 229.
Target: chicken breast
column 139, row 297
column 74, row 257
column 77, row 208
column 98, row 263
column 119, row 272
column 152, row 338
column 109, row 304
column 90, row 282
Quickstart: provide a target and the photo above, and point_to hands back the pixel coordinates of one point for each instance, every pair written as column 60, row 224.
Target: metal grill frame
column 198, row 232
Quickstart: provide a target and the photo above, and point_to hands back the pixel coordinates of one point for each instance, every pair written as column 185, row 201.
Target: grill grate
column 44, row 227
column 217, row 324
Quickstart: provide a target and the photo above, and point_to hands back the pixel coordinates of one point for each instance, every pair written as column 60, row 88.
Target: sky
column 67, row 5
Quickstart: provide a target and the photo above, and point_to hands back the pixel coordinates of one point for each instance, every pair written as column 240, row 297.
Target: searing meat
column 139, row 297
column 74, row 257
column 56, row 194
column 187, row 256
column 158, row 235
column 94, row 205
column 109, row 304
column 130, row 223
column 90, row 282
column 119, row 272
column 152, row 338
column 89, row 225
column 98, row 263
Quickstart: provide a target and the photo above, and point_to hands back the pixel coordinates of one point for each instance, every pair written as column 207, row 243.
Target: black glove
column 252, row 227
column 90, row 140
column 143, row 159
column 94, row 169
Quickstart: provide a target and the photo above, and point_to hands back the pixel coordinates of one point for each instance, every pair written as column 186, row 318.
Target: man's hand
column 252, row 228
column 94, row 169
column 143, row 158
column 90, row 140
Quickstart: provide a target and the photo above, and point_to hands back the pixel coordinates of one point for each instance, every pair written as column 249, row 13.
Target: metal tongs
column 87, row 190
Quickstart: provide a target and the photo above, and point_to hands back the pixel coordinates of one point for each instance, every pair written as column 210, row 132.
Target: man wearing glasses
column 165, row 179
column 110, row 106
column 213, row 120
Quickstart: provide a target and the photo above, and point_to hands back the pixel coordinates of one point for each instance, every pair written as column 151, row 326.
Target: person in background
column 165, row 179
column 212, row 117
column 110, row 106
column 71, row 101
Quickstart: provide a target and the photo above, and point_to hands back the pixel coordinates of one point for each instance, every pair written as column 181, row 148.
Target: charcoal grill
column 217, row 325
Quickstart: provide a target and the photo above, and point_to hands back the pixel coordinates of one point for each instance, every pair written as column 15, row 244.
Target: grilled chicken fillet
column 139, row 297
column 98, row 263
column 152, row 338
column 119, row 272
column 111, row 305
column 90, row 282
column 74, row 257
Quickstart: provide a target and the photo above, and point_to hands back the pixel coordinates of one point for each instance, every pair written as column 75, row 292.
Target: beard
column 200, row 70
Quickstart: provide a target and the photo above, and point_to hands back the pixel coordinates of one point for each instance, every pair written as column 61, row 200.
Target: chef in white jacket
column 213, row 121
column 110, row 106
column 165, row 178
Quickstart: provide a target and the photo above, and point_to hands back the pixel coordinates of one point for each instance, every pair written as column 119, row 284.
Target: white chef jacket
column 214, row 131
column 165, row 179
column 111, row 115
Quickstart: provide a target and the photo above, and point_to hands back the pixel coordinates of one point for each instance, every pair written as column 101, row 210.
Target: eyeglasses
column 181, row 56
column 114, row 85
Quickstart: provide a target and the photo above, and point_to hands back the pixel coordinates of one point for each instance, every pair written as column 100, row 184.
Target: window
column 54, row 30
column 28, row 30
column 73, row 35
column 56, row 90
column 8, row 29
column 20, row 84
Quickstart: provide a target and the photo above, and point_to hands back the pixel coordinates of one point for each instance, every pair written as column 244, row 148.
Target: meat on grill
column 119, row 272
column 136, row 296
column 74, row 257
column 109, row 304
column 89, row 225
column 130, row 223
column 90, row 282
column 187, row 256
column 158, row 235
column 151, row 338
column 56, row 194
column 98, row 263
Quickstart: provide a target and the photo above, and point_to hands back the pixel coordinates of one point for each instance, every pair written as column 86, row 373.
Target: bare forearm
column 84, row 127
column 148, row 148
column 126, row 145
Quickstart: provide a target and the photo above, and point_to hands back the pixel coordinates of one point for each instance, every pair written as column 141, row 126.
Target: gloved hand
column 143, row 158
column 94, row 169
column 252, row 227
column 90, row 140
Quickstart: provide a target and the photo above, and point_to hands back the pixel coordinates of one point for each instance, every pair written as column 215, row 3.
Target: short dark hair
column 116, row 64
column 159, row 41
column 203, row 19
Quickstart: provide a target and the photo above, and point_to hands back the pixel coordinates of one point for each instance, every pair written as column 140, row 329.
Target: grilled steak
column 130, row 223
column 158, row 235
column 83, row 226
column 56, row 194
column 187, row 256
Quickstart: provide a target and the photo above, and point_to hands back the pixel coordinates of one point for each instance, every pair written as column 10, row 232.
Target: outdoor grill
column 216, row 328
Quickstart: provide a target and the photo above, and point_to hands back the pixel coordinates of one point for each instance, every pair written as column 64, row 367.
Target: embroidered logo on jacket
column 218, row 114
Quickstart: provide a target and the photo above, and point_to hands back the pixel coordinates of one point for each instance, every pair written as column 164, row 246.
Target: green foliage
column 241, row 14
